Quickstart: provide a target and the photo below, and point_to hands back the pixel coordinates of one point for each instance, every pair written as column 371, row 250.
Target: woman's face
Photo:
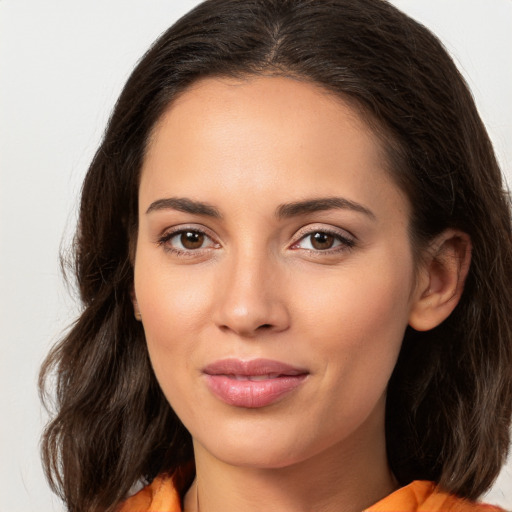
column 273, row 270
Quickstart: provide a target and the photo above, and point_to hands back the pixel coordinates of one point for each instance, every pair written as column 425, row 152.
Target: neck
column 347, row 477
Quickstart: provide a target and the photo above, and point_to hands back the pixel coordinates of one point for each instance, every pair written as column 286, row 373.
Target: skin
column 255, row 285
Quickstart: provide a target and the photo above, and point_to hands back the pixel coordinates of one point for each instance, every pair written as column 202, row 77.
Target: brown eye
column 322, row 241
column 187, row 242
column 192, row 239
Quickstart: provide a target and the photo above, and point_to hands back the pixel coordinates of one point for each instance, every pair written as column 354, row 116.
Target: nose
column 251, row 300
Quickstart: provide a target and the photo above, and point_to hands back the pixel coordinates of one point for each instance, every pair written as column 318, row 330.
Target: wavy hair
column 450, row 397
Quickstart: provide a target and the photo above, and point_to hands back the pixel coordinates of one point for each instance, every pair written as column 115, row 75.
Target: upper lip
column 252, row 367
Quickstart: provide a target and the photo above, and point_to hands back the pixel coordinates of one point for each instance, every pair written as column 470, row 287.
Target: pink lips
column 252, row 384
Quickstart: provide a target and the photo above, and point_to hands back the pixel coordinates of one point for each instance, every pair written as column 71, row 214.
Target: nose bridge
column 251, row 299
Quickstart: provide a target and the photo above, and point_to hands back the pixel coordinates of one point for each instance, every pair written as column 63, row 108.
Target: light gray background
column 62, row 65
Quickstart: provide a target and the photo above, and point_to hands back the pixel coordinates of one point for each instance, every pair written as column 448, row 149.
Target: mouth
column 252, row 384
column 256, row 378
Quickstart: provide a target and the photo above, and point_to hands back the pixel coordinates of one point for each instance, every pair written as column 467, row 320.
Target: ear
column 136, row 310
column 441, row 279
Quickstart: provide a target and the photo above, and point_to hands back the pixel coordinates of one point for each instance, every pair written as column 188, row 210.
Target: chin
column 257, row 457
column 262, row 447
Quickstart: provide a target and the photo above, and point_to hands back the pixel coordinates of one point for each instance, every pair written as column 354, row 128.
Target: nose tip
column 252, row 304
column 246, row 326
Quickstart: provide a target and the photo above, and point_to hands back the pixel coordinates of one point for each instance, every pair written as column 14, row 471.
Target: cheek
column 174, row 307
column 170, row 298
column 359, row 299
column 355, row 332
column 356, row 322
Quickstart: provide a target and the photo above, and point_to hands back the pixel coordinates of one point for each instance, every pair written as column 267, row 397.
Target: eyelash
column 166, row 237
column 345, row 242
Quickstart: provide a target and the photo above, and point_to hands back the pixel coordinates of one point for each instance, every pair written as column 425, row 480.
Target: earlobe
column 136, row 310
column 441, row 280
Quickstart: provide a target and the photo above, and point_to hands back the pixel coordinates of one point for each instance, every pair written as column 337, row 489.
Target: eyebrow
column 321, row 204
column 185, row 205
column 286, row 210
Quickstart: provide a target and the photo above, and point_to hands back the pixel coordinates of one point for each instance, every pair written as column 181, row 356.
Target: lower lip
column 252, row 393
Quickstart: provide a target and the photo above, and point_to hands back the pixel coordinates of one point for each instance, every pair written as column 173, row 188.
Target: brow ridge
column 185, row 205
column 285, row 210
column 320, row 204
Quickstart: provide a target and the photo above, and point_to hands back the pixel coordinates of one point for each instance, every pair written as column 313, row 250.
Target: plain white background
column 62, row 65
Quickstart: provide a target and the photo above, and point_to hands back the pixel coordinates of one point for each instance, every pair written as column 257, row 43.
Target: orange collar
column 419, row 496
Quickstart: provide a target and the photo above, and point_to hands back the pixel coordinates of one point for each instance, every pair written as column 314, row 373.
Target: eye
column 189, row 239
column 186, row 241
column 324, row 240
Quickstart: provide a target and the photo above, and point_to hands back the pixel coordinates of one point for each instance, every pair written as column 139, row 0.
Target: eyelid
column 333, row 230
column 348, row 240
column 167, row 234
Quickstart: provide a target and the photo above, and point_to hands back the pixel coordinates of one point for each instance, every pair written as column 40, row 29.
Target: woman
column 294, row 257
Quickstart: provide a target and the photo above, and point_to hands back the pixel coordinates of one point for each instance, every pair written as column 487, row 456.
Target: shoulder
column 164, row 493
column 423, row 496
column 160, row 495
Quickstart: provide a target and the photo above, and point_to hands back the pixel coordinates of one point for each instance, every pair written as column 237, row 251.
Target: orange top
column 419, row 496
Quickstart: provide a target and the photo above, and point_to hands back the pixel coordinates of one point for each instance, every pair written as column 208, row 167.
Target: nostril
column 265, row 326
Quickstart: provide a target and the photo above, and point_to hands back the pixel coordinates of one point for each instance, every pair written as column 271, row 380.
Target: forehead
column 290, row 100
column 261, row 135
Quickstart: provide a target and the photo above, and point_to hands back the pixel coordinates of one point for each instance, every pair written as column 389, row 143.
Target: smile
column 252, row 384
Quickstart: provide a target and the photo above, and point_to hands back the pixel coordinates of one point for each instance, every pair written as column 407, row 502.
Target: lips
column 252, row 384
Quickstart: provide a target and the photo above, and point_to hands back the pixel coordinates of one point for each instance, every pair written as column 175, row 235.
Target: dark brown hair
column 450, row 397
